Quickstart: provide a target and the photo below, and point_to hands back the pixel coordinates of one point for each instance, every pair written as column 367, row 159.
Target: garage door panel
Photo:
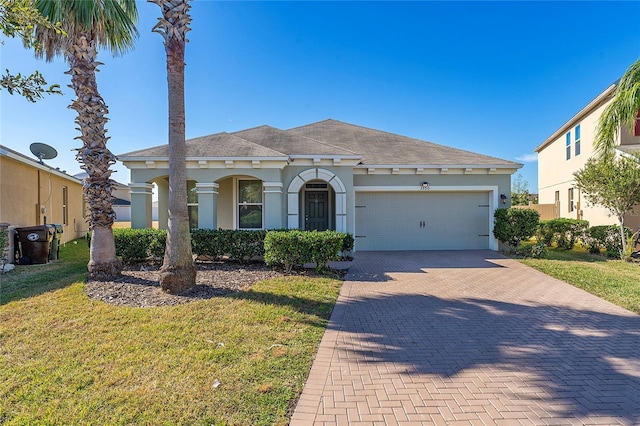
column 422, row 220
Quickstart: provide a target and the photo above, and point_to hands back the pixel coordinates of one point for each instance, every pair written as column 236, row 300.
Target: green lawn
column 67, row 359
column 613, row 280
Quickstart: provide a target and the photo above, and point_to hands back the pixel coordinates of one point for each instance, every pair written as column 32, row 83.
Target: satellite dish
column 43, row 151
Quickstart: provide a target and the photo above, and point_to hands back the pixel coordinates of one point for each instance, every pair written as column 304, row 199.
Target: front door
column 316, row 210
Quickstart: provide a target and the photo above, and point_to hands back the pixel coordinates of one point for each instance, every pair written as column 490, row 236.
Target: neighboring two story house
column 391, row 192
column 566, row 151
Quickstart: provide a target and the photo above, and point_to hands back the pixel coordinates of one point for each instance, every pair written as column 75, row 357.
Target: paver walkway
column 470, row 338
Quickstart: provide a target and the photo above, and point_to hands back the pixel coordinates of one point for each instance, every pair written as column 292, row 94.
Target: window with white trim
column 576, row 140
column 572, row 206
column 192, row 204
column 250, row 204
column 65, row 201
column 568, row 148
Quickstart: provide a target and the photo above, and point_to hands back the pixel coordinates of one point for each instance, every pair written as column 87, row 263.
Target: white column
column 141, row 194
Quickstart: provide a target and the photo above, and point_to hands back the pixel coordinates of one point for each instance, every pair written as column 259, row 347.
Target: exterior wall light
column 424, row 185
column 503, row 198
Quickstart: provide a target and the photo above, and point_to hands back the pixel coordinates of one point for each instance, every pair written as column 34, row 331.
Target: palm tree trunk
column 178, row 272
column 94, row 157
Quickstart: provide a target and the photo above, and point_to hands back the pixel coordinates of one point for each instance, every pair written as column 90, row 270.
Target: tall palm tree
column 88, row 24
column 178, row 272
column 622, row 111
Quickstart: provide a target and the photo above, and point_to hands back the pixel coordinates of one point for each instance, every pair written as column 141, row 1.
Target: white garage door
column 422, row 220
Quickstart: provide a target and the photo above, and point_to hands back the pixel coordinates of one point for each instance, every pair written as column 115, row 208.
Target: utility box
column 54, row 252
column 35, row 243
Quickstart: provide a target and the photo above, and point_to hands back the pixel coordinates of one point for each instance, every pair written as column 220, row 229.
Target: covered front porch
column 315, row 200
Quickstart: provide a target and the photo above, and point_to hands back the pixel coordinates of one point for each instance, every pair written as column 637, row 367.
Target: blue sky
column 496, row 78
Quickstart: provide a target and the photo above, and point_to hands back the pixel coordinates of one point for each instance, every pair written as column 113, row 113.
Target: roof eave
column 14, row 155
column 599, row 100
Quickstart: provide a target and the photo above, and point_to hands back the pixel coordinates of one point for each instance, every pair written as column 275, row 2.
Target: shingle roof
column 328, row 137
column 224, row 145
column 378, row 147
column 290, row 143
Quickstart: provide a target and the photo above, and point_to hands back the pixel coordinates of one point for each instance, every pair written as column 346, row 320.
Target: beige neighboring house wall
column 555, row 169
column 32, row 194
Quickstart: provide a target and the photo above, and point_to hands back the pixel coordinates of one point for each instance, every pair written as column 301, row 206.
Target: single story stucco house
column 391, row 192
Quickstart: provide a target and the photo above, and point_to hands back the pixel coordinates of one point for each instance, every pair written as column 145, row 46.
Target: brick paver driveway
column 470, row 338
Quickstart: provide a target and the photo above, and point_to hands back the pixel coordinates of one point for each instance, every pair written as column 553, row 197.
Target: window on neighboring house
column 571, row 204
column 249, row 204
column 568, row 139
column 192, row 204
column 576, row 137
column 65, row 210
column 557, row 197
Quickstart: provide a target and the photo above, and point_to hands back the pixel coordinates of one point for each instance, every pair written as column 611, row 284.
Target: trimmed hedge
column 562, row 231
column 137, row 245
column 286, row 247
column 293, row 247
column 239, row 245
column 515, row 225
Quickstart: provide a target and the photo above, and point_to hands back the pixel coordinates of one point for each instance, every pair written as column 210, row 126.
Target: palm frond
column 110, row 23
column 622, row 111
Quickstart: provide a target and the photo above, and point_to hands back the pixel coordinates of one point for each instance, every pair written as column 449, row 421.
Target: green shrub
column 515, row 225
column 347, row 245
column 535, row 251
column 158, row 243
column 4, row 241
column 208, row 242
column 243, row 245
column 544, row 233
column 606, row 237
column 238, row 245
column 294, row 247
column 562, row 231
column 137, row 245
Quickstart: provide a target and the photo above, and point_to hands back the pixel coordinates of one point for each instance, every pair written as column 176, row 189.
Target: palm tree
column 622, row 111
column 178, row 272
column 109, row 24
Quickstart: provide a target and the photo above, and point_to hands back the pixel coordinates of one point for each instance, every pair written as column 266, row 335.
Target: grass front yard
column 613, row 280
column 68, row 359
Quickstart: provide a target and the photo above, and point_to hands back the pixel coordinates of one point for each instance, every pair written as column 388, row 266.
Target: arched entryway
column 323, row 193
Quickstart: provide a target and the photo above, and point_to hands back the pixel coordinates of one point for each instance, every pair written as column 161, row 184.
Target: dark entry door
column 316, row 210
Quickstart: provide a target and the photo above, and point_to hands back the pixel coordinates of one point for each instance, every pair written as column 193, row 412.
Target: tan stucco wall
column 555, row 172
column 21, row 206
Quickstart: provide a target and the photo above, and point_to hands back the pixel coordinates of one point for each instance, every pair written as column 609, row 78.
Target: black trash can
column 54, row 251
column 35, row 243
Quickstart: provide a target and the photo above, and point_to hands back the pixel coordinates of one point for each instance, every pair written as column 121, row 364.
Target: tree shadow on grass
column 320, row 309
column 34, row 280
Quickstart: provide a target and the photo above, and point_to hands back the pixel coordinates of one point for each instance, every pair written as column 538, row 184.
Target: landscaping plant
column 512, row 226
column 613, row 183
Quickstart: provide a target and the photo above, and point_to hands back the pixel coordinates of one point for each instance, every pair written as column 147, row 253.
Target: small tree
column 613, row 183
column 520, row 191
column 512, row 226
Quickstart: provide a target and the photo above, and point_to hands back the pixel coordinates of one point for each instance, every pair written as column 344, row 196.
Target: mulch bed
column 139, row 286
